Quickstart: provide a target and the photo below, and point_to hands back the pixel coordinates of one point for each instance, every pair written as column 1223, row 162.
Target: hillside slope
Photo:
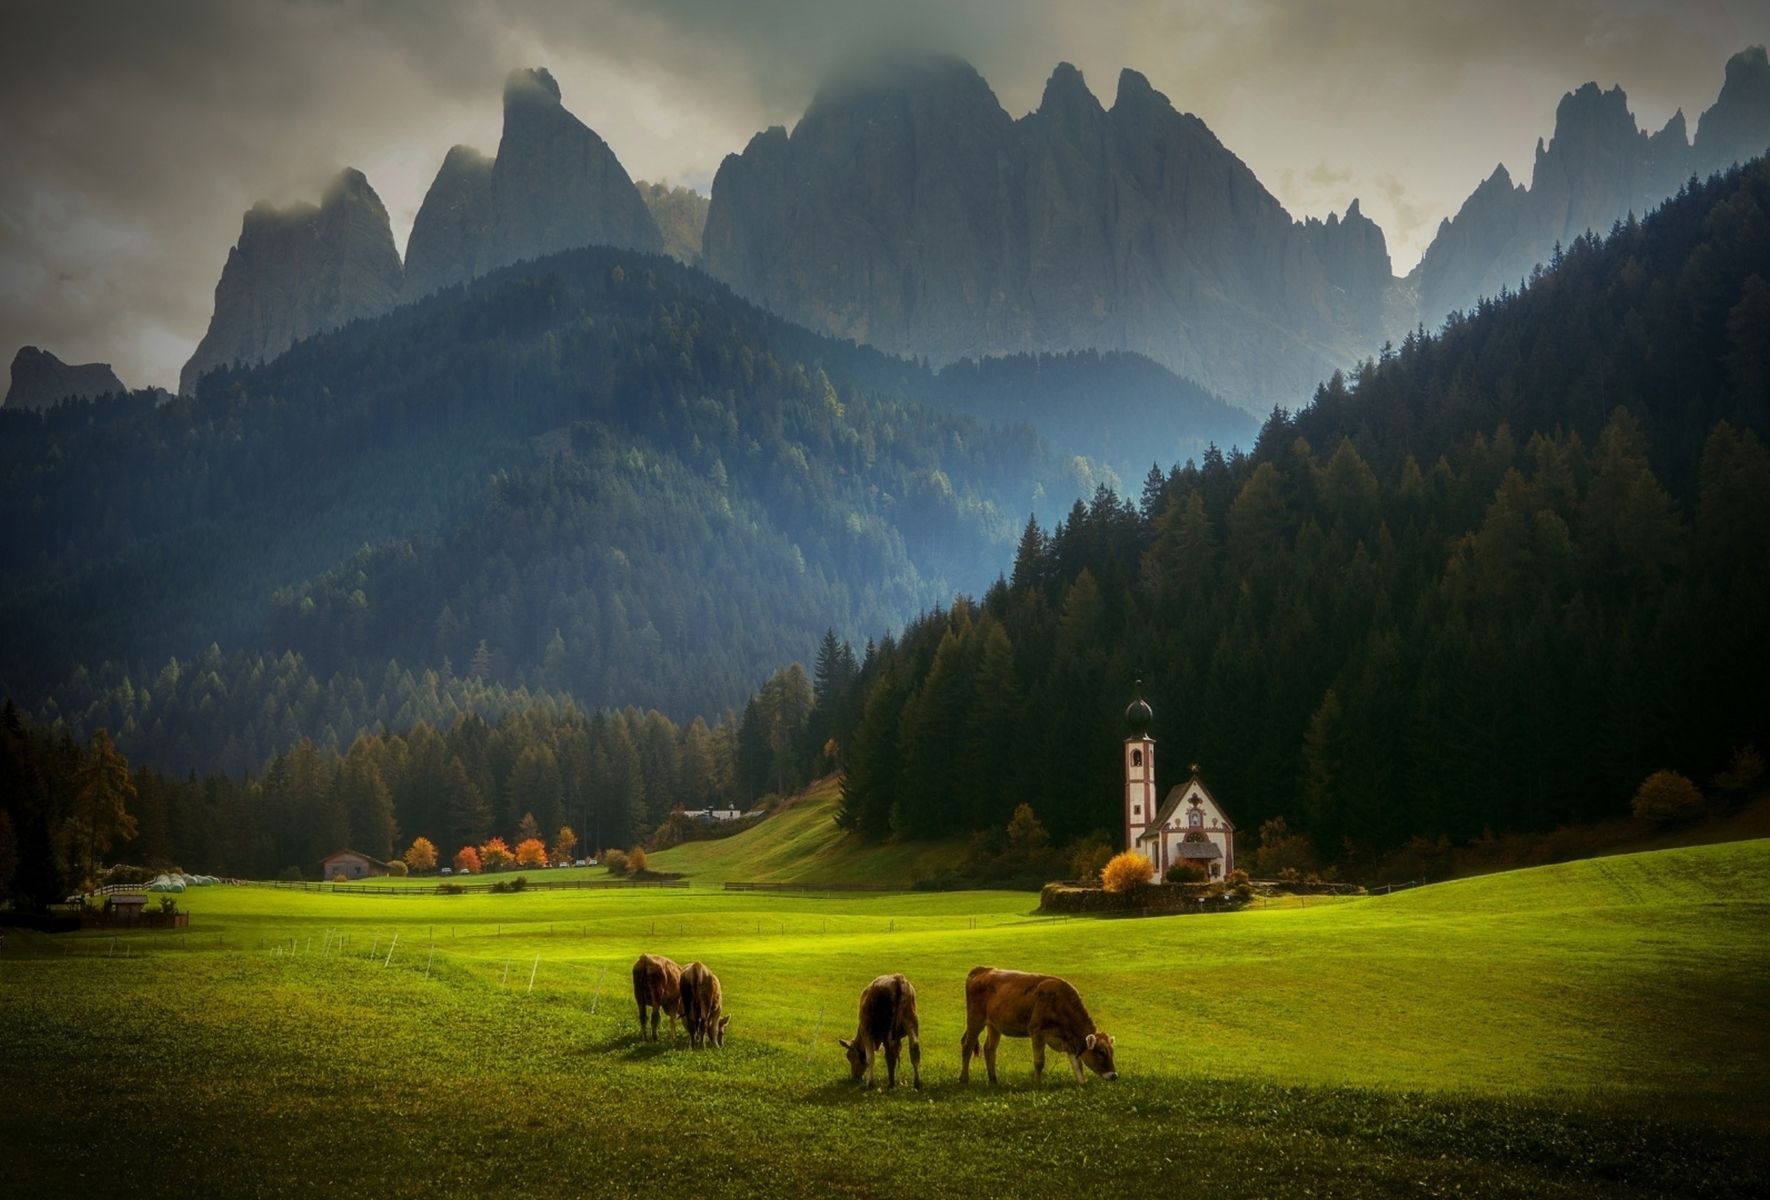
column 801, row 843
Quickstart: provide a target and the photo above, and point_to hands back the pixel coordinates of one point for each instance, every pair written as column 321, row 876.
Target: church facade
column 1185, row 825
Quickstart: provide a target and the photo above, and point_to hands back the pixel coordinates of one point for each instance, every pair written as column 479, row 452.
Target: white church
column 1188, row 825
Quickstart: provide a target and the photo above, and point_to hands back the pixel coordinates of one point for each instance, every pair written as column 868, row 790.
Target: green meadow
column 1592, row 1029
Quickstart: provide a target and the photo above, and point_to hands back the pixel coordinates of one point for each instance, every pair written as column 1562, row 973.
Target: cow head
column 857, row 1058
column 1096, row 1055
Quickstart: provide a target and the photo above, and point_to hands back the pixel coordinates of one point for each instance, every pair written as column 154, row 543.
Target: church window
column 1136, row 758
column 1195, row 818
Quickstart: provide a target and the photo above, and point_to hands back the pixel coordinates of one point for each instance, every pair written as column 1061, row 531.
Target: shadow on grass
column 631, row 1046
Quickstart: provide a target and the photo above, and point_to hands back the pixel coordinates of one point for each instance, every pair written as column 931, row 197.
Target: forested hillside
column 1488, row 583
column 1110, row 415
column 598, row 475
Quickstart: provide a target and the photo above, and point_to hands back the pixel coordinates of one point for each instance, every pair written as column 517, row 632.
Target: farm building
column 1189, row 825
column 352, row 864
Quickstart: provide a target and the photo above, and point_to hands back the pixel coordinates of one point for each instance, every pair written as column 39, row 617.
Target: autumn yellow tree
column 531, row 852
column 564, row 845
column 421, row 856
column 467, row 861
column 495, row 854
column 1126, row 871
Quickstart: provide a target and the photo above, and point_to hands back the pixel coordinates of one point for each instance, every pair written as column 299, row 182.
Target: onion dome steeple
column 1138, row 717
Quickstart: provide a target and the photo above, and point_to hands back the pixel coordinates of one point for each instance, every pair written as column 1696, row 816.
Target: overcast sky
column 133, row 135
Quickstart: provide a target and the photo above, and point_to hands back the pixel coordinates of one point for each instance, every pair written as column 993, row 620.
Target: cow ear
column 845, row 1043
column 1091, row 1040
column 1112, row 1041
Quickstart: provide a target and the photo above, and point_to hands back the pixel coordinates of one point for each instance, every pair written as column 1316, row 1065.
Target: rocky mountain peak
column 298, row 271
column 1737, row 127
column 554, row 185
column 40, row 379
column 531, row 86
column 1592, row 126
column 1067, row 92
column 452, row 224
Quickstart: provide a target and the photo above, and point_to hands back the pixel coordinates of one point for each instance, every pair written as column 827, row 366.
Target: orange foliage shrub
column 467, row 859
column 1126, row 871
column 421, row 857
column 531, row 853
column 636, row 859
column 496, row 855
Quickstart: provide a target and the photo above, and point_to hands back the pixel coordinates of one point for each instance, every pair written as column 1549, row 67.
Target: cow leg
column 916, row 1059
column 989, row 1050
column 641, row 1004
column 891, row 1052
column 872, row 1049
column 1038, row 1041
column 967, row 1052
column 1075, row 1064
column 655, row 1014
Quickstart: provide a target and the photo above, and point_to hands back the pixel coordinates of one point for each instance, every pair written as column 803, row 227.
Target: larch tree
column 98, row 810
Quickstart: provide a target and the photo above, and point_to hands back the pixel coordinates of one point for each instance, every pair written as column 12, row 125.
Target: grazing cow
column 657, row 986
column 1041, row 1007
column 888, row 1019
column 702, row 1006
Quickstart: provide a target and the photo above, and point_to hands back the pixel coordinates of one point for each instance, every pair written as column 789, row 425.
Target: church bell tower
column 1139, row 768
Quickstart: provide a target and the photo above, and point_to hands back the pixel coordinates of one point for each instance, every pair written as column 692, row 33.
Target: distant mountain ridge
column 1596, row 169
column 908, row 210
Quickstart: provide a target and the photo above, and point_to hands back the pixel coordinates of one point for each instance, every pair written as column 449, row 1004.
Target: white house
column 1188, row 825
column 714, row 814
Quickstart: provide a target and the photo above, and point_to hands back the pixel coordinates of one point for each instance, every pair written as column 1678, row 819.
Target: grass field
column 1597, row 1028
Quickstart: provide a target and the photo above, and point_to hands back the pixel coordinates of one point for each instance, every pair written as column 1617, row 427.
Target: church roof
column 1177, row 796
column 1200, row 850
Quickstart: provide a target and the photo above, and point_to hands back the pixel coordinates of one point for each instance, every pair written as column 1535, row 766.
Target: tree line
column 612, row 776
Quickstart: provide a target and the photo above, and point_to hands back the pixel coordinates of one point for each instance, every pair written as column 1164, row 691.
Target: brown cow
column 887, row 1018
column 657, row 986
column 702, row 1006
column 1042, row 1007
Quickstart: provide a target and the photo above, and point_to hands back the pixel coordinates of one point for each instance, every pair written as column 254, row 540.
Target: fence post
column 532, row 970
column 597, row 998
column 816, row 1029
column 390, row 947
column 427, row 959
column 506, row 976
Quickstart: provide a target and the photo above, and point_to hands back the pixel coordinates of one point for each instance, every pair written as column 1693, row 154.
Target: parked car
column 447, row 871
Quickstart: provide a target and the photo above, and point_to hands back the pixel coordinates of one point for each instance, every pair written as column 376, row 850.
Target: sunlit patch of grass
column 1589, row 1029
